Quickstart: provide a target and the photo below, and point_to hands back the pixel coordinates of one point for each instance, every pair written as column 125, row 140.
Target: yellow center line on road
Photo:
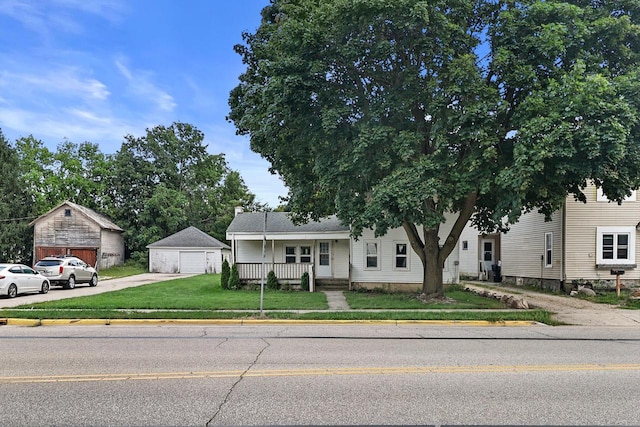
column 318, row 372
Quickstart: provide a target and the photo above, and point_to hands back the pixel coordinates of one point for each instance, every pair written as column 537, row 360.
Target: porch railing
column 283, row 271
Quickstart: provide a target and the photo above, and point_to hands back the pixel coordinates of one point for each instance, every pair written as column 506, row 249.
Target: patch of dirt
column 430, row 299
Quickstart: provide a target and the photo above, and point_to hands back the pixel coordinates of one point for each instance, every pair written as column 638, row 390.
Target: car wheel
column 13, row 291
column 71, row 283
column 94, row 280
column 45, row 288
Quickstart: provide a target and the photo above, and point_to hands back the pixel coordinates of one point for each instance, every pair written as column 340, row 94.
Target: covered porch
column 321, row 248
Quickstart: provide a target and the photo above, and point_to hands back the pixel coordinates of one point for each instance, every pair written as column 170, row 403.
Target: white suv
column 66, row 271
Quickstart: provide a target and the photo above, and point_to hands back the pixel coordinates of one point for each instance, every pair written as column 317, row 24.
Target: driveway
column 566, row 309
column 107, row 285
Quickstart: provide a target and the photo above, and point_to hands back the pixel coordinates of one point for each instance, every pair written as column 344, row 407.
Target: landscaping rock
column 586, row 291
column 635, row 295
column 513, row 302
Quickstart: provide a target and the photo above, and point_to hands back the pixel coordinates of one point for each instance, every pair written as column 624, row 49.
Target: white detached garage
column 190, row 251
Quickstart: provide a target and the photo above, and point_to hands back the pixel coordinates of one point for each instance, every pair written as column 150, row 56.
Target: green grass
column 529, row 315
column 201, row 297
column 459, row 299
column 193, row 293
column 611, row 297
column 125, row 270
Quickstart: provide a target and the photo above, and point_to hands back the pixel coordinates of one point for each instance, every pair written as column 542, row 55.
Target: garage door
column 192, row 262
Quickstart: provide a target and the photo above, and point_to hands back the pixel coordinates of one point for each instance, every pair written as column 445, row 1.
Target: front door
column 324, row 259
column 487, row 254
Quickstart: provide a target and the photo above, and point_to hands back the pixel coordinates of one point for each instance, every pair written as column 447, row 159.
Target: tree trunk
column 428, row 248
column 432, row 284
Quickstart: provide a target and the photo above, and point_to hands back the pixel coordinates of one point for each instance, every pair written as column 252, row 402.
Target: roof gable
column 280, row 222
column 190, row 237
column 101, row 220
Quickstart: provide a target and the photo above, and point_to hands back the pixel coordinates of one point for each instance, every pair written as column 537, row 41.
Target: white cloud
column 67, row 82
column 140, row 84
column 47, row 18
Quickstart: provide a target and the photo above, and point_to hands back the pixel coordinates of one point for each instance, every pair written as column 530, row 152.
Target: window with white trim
column 371, row 255
column 548, row 249
column 305, row 254
column 616, row 246
column 401, row 257
column 290, row 254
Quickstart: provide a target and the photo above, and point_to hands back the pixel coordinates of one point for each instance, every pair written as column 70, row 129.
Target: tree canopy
column 166, row 180
column 397, row 113
column 154, row 186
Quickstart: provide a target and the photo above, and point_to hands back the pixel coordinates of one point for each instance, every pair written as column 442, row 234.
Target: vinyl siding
column 470, row 257
column 524, row 244
column 386, row 272
column 582, row 222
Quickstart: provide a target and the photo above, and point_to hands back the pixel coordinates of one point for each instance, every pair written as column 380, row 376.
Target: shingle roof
column 100, row 219
column 279, row 222
column 189, row 238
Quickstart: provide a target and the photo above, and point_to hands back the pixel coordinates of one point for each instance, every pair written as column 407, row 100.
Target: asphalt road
column 346, row 374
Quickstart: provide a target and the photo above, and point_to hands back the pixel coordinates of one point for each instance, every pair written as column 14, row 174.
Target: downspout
column 563, row 231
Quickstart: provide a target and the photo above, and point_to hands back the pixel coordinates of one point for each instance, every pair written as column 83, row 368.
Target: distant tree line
column 154, row 186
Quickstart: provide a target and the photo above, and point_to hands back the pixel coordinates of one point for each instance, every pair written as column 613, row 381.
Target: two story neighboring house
column 582, row 242
column 327, row 252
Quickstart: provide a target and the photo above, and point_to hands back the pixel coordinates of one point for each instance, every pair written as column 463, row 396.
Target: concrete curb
column 104, row 322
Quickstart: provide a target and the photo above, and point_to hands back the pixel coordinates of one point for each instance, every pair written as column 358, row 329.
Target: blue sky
column 97, row 70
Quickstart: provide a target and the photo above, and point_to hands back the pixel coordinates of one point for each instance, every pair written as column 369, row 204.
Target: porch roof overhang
column 289, row 236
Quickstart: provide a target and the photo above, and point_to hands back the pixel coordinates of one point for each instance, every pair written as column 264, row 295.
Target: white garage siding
column 192, row 262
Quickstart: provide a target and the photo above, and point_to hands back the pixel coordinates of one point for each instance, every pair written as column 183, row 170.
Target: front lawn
column 193, row 293
column 456, row 298
column 202, row 297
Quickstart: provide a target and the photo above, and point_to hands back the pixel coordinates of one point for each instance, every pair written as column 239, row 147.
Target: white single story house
column 190, row 251
column 326, row 251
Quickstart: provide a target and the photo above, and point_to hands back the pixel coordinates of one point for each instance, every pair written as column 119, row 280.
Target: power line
column 17, row 219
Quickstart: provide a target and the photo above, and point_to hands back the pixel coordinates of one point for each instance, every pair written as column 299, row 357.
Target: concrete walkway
column 336, row 300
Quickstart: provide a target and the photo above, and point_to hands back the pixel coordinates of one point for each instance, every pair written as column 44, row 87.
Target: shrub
column 224, row 276
column 304, row 281
column 234, row 278
column 272, row 281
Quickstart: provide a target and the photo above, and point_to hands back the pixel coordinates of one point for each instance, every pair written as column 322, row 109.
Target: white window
column 600, row 197
column 371, row 255
column 465, row 245
column 548, row 249
column 401, row 256
column 305, row 254
column 290, row 254
column 616, row 246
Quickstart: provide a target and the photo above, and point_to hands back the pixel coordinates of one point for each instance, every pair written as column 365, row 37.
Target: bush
column 234, row 278
column 272, row 281
column 304, row 281
column 140, row 258
column 224, row 276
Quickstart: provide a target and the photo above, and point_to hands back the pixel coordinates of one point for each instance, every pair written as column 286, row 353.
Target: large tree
column 16, row 239
column 166, row 180
column 396, row 113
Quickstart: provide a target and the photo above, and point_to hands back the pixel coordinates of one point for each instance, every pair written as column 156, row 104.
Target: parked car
column 67, row 271
column 18, row 278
